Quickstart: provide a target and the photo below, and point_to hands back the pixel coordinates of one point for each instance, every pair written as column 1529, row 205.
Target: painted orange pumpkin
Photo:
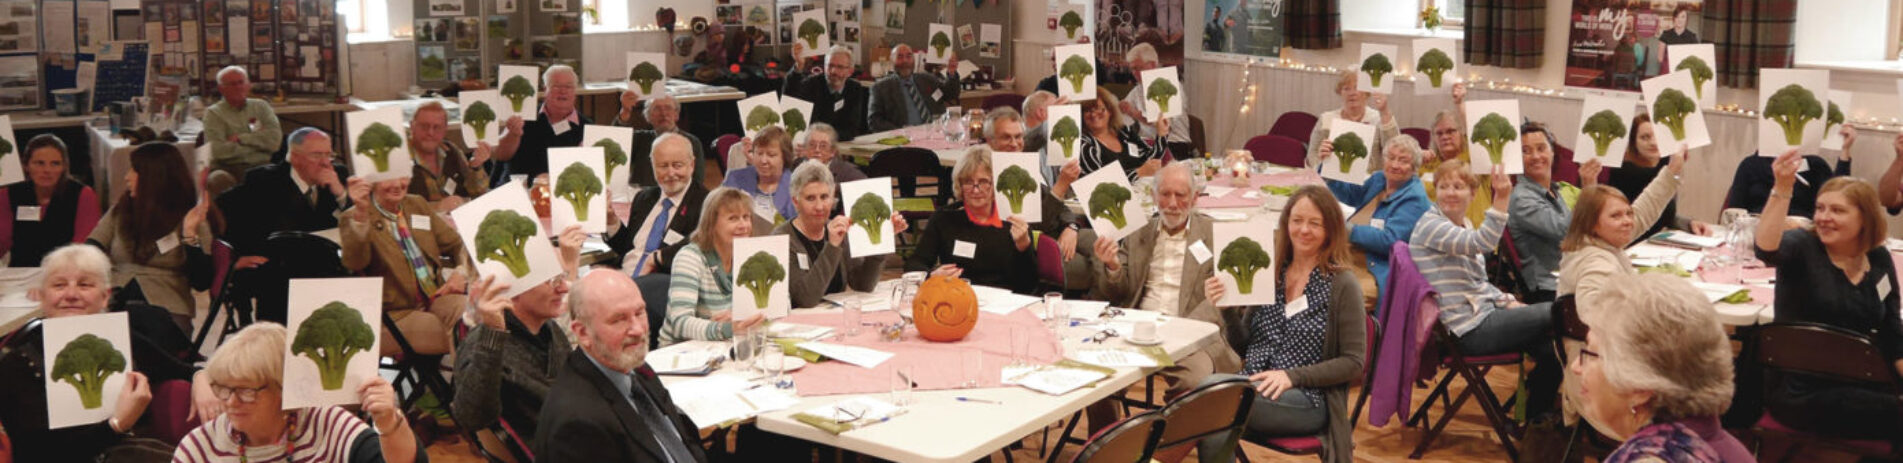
column 945, row 309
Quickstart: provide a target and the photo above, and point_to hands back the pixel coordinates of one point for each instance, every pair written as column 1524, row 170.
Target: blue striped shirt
column 698, row 290
column 1450, row 257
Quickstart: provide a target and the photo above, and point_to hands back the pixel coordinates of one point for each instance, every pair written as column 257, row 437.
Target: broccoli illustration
column 757, row 15
column 1349, row 148
column 1604, row 127
column 1832, row 117
column 6, row 148
column 645, row 75
column 376, row 142
column 1670, row 108
column 1106, row 202
column 577, row 185
column 1016, row 183
column 1070, row 22
column 516, row 90
column 1701, row 73
column 478, row 115
column 761, row 117
column 811, row 30
column 612, row 156
column 759, row 274
column 1792, row 107
column 794, row 121
column 1075, row 70
column 1493, row 132
column 1434, row 63
column 85, row 363
column 333, row 334
column 940, row 42
column 1161, row 91
column 1241, row 259
column 1376, row 66
column 868, row 211
column 1064, row 133
column 500, row 238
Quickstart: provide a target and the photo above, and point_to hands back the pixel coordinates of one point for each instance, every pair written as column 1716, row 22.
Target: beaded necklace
column 290, row 446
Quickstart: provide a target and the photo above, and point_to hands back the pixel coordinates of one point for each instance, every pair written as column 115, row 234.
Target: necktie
column 311, row 197
column 660, row 228
column 673, row 447
column 917, row 115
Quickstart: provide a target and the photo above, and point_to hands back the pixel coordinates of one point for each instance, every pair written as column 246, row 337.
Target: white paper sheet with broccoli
column 1699, row 59
column 379, row 144
column 615, row 144
column 1493, row 136
column 518, row 86
column 1377, row 68
column 482, row 116
column 505, row 238
column 647, row 73
column 1353, row 147
column 1076, row 71
column 1064, row 134
column 938, row 44
column 868, row 204
column 1073, row 22
column 1677, row 118
column 760, row 273
column 1792, row 110
column 809, row 28
column 1603, row 130
column 332, row 346
column 10, row 170
column 578, row 194
column 1243, row 260
column 1111, row 203
column 85, row 365
column 1017, row 186
column 759, row 112
column 1436, row 66
column 1164, row 94
column 1836, row 112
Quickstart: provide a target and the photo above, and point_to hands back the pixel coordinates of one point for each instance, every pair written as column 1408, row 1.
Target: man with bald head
column 607, row 405
column 905, row 98
column 661, row 216
column 837, row 98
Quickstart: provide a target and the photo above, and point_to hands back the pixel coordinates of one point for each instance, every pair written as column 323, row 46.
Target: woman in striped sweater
column 700, row 296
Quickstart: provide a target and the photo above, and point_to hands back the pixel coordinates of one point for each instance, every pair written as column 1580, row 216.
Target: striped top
column 699, row 290
column 1449, row 256
column 322, row 434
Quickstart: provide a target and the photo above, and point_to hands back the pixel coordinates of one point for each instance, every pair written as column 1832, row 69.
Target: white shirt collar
column 303, row 187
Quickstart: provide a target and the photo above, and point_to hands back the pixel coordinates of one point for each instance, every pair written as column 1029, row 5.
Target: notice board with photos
column 449, row 40
column 529, row 32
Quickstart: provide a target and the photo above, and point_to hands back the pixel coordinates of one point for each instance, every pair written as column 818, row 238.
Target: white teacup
column 1145, row 332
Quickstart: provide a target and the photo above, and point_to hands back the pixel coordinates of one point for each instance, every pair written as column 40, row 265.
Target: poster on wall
column 1614, row 46
column 1120, row 26
column 1243, row 27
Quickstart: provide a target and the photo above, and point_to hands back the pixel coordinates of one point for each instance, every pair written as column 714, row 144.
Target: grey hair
column 1141, row 50
column 1195, row 184
column 230, row 69
column 1000, row 114
column 1038, row 99
column 1408, row 143
column 298, row 136
column 656, row 100
column 978, row 160
column 1660, row 335
column 254, row 355
column 552, row 69
column 82, row 257
column 670, row 137
column 809, row 173
column 819, row 128
column 895, row 51
column 835, row 51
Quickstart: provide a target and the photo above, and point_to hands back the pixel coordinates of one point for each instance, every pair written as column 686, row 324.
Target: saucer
column 1144, row 342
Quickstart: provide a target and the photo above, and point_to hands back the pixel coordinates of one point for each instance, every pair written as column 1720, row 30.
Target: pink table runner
column 929, row 137
column 1235, row 200
column 935, row 365
column 1759, row 294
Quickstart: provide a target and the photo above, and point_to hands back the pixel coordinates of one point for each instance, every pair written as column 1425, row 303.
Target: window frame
column 1447, row 22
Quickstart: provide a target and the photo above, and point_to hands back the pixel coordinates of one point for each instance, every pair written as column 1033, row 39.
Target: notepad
column 863, row 357
column 1113, row 358
column 1058, row 381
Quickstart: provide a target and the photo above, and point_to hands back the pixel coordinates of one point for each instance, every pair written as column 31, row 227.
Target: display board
column 288, row 47
column 1615, row 47
column 120, row 79
column 19, row 59
column 921, row 15
column 449, row 36
column 530, row 32
column 1243, row 27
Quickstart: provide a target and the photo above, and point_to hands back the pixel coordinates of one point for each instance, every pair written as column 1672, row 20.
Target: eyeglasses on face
column 245, row 394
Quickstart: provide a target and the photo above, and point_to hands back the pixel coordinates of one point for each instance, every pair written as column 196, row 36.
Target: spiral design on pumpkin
column 945, row 314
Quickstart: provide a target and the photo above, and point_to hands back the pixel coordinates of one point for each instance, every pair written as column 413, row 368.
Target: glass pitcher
column 904, row 291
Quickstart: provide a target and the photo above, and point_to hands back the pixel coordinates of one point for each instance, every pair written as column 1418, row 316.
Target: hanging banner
column 1615, row 46
column 1243, row 27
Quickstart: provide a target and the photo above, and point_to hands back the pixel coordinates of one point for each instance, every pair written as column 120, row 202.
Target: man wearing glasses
column 663, row 115
column 525, row 144
column 970, row 239
column 243, row 131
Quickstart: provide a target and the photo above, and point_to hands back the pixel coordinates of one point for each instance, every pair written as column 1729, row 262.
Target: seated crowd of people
column 561, row 365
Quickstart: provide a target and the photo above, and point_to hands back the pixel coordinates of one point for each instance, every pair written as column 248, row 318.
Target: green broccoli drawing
column 1793, row 107
column 376, row 142
column 1604, row 127
column 1493, row 132
column 1701, row 73
column 761, row 117
column 612, row 156
column 868, row 212
column 1832, row 118
column 332, row 334
column 810, row 31
column 757, row 15
column 516, row 90
column 794, row 121
column 500, row 238
column 1670, row 108
column 1065, row 132
column 1376, row 66
column 85, row 363
column 6, row 148
column 1241, row 259
column 759, row 274
column 478, row 115
column 1015, row 183
column 1106, row 202
column 940, row 42
column 1075, row 70
column 1161, row 91
column 578, row 184
column 1434, row 63
column 1349, row 147
column 645, row 75
column 1071, row 22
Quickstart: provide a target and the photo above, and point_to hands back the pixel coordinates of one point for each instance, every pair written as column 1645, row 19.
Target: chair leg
column 1420, row 416
column 1447, row 415
column 1354, row 419
column 1490, row 403
column 1065, row 437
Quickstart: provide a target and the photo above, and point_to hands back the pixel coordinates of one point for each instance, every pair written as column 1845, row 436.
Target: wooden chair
column 1133, row 439
column 1277, row 149
column 1207, row 410
column 1294, row 124
column 1827, row 352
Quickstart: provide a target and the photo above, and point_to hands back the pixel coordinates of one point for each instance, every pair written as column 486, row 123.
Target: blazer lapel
column 1142, row 247
column 1188, row 295
column 631, row 422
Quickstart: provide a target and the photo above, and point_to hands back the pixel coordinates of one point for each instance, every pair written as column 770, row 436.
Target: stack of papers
column 861, row 409
column 863, row 357
column 1113, row 358
column 1718, row 292
column 687, row 358
column 1058, row 381
column 797, row 331
column 1217, row 191
column 719, row 399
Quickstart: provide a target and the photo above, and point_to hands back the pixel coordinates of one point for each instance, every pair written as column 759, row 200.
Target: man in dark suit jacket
column 837, row 98
column 606, row 404
column 662, row 114
column 558, row 124
column 677, row 196
column 304, row 192
column 891, row 104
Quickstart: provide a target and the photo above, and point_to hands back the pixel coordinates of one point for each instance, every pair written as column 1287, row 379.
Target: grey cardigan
column 1345, row 349
column 1537, row 220
column 808, row 282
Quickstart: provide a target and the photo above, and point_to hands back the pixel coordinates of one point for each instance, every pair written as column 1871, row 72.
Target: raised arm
column 1771, row 222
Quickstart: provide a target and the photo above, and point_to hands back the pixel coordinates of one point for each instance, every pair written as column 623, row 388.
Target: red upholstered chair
column 1473, row 370
column 721, row 145
column 1277, row 149
column 1294, row 124
column 1420, row 135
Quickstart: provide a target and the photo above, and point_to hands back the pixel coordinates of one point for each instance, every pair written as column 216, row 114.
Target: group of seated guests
column 543, row 360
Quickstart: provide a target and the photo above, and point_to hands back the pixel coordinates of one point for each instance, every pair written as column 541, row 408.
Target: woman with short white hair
column 1656, row 372
column 972, row 239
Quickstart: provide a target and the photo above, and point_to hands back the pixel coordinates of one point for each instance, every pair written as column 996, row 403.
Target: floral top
column 1664, row 442
column 1281, row 340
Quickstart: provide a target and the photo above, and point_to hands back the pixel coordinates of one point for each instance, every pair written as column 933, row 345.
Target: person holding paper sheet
column 395, row 235
column 1108, row 138
column 75, row 283
column 905, row 98
column 1642, row 165
column 1354, row 106
column 1890, row 186
column 1036, row 133
column 1540, row 214
column 1387, row 206
column 444, row 175
column 968, row 239
column 242, row 131
column 304, row 192
column 663, row 115
column 766, row 177
column 700, row 293
column 49, row 209
column 823, row 262
column 1004, row 129
column 1142, row 57
column 664, row 214
column 1838, row 274
column 1753, row 182
column 509, row 359
column 1447, row 142
column 837, row 98
column 1004, row 132
column 822, row 146
column 156, row 235
column 247, row 373
column 525, row 144
column 607, row 404
column 1301, row 352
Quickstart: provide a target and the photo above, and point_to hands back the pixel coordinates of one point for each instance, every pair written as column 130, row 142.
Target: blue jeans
column 1293, row 414
column 1528, row 330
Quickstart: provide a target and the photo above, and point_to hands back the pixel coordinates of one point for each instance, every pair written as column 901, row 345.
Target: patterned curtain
column 1505, row 33
column 1750, row 35
column 1312, row 24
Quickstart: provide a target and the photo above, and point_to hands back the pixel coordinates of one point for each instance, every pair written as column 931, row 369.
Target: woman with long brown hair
column 1643, row 164
column 156, row 232
column 47, row 210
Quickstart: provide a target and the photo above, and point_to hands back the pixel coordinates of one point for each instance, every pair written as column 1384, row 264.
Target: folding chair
column 1473, row 370
column 1825, row 352
column 721, row 145
column 501, row 444
column 223, row 261
column 1132, row 439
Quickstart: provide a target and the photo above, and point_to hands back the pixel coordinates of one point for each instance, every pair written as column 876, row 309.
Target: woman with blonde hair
column 1656, row 372
column 700, row 293
column 1354, row 107
column 1109, row 137
column 972, row 239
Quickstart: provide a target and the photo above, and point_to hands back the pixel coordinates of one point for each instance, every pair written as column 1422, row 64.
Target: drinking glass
column 746, row 347
column 901, row 385
column 852, row 315
column 1020, row 346
column 972, row 363
column 1054, row 309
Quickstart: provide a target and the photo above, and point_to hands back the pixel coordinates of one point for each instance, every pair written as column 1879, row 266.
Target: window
column 353, row 14
column 368, row 19
column 1453, row 13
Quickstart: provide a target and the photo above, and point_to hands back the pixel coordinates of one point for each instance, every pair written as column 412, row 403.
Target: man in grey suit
column 905, row 98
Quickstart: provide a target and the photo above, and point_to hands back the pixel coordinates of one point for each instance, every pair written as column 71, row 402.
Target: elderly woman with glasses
column 1386, row 206
column 1355, row 105
column 971, row 238
column 247, row 374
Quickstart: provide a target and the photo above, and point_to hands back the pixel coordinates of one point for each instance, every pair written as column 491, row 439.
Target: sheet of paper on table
column 862, row 409
column 1113, row 358
column 799, row 331
column 1653, row 255
column 680, row 362
column 863, row 357
column 1217, row 191
column 1691, row 240
column 1058, row 381
column 868, row 302
column 1718, row 291
column 1000, row 301
column 1087, row 310
column 724, row 398
column 1226, row 216
column 1894, row 244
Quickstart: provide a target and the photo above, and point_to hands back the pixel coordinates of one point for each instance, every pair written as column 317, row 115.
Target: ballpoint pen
column 982, row 401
